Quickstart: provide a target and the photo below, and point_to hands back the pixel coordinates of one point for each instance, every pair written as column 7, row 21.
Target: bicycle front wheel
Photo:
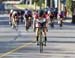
column 41, row 43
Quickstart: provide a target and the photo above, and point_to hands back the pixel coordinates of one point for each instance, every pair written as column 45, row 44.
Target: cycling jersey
column 15, row 15
column 10, row 14
column 35, row 15
column 40, row 22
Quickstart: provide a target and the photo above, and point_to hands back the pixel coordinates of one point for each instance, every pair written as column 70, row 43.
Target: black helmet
column 41, row 12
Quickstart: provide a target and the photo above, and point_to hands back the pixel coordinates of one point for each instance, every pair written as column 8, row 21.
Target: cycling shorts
column 41, row 23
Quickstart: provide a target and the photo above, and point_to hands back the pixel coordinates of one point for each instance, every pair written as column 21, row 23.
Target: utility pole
column 45, row 3
column 59, row 7
column 30, row 2
column 73, row 11
column 35, row 5
column 59, row 10
column 55, row 3
column 51, row 3
column 62, row 5
column 35, row 2
column 40, row 4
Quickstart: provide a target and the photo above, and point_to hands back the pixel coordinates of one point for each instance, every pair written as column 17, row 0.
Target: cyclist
column 15, row 20
column 51, row 15
column 35, row 16
column 61, row 18
column 28, row 18
column 41, row 21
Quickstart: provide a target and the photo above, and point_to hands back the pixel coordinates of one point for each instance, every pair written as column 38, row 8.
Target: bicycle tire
column 61, row 24
column 41, row 42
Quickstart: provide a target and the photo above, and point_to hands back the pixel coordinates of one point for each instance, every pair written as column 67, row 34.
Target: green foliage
column 38, row 2
column 69, row 5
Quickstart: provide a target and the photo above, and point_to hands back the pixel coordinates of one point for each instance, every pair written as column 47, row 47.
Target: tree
column 69, row 5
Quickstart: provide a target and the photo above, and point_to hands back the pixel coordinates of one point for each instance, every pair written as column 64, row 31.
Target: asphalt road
column 21, row 44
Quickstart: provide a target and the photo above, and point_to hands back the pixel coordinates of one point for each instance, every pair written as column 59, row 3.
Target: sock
column 45, row 38
column 37, row 38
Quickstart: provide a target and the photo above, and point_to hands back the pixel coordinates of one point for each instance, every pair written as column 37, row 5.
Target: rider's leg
column 45, row 36
column 45, row 33
column 37, row 34
column 61, row 22
column 52, row 24
column 10, row 20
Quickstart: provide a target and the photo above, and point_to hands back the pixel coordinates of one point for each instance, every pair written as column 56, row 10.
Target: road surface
column 21, row 44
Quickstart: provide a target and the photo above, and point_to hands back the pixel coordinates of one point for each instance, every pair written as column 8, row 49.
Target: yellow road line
column 14, row 50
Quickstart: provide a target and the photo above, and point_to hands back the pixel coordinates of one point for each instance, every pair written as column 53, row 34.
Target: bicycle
column 28, row 23
column 61, row 23
column 15, row 24
column 41, row 40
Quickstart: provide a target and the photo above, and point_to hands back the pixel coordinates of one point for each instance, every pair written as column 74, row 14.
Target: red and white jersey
column 46, row 16
column 43, row 19
column 35, row 15
column 11, row 12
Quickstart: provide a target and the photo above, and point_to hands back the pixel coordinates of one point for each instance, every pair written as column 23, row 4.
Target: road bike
column 42, row 41
column 15, row 24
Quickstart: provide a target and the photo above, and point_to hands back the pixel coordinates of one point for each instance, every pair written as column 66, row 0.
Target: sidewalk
column 68, row 20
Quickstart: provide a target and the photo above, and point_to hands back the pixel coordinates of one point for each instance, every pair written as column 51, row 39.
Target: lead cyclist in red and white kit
column 43, row 21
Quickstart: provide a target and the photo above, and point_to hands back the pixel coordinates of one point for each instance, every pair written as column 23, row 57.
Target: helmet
column 41, row 12
column 14, row 12
column 49, row 11
column 11, row 11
